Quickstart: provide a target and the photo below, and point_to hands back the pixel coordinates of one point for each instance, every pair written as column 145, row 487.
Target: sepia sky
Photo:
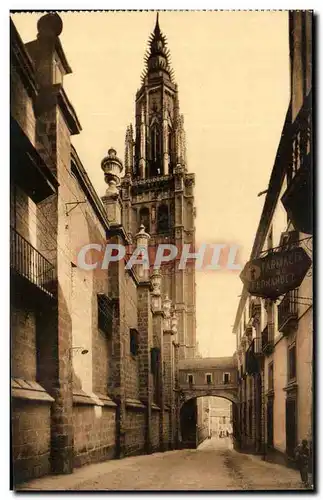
column 232, row 69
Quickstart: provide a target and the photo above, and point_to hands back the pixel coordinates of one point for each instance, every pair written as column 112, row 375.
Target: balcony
column 248, row 331
column 30, row 265
column 253, row 353
column 267, row 339
column 241, row 373
column 288, row 312
column 28, row 168
column 298, row 197
column 254, row 307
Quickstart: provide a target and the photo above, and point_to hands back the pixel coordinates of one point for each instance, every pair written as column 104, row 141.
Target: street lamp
column 79, row 348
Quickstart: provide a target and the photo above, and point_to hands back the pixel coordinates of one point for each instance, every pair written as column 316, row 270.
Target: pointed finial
column 157, row 56
column 157, row 30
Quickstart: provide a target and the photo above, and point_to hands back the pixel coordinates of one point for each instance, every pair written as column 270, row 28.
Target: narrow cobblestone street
column 213, row 466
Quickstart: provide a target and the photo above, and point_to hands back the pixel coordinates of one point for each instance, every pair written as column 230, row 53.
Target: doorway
column 291, row 426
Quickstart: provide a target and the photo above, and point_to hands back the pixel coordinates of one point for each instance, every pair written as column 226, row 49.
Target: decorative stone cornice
column 53, row 95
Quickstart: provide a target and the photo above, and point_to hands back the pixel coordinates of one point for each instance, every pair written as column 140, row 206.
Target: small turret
column 112, row 168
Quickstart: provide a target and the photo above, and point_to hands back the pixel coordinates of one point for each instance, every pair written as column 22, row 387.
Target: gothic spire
column 157, row 58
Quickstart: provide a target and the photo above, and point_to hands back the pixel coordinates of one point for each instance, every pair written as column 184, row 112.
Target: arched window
column 144, row 218
column 170, row 140
column 163, row 219
column 155, row 148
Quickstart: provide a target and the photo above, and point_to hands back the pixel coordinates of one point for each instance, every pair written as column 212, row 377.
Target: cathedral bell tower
column 157, row 190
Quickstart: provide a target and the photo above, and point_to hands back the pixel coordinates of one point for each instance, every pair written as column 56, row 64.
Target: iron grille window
column 208, row 378
column 226, row 378
column 190, row 379
column 134, row 341
column 105, row 313
column 292, row 363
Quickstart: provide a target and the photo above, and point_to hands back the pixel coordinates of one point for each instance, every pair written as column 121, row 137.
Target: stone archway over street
column 205, row 377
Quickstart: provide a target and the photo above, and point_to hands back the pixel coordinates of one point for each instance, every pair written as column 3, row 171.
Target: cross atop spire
column 157, row 58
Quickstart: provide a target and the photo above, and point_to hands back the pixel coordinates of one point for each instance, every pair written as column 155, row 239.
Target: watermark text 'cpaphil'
column 207, row 257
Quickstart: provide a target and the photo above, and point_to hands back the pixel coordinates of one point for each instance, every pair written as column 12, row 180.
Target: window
column 105, row 313
column 170, row 150
column 144, row 218
column 209, row 378
column 134, row 341
column 271, row 377
column 190, row 379
column 226, row 378
column 163, row 219
column 155, row 359
column 155, row 143
column 292, row 363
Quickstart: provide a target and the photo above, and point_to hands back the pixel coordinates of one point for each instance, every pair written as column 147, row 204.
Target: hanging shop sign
column 277, row 273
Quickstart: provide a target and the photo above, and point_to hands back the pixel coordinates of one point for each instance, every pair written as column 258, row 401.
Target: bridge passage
column 198, row 379
column 208, row 377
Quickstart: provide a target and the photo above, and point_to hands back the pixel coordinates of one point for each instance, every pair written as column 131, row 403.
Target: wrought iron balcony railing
column 241, row 372
column 297, row 198
column 254, row 307
column 288, row 312
column 31, row 264
column 253, row 353
column 267, row 339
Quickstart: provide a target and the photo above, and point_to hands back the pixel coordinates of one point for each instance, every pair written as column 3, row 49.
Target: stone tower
column 157, row 190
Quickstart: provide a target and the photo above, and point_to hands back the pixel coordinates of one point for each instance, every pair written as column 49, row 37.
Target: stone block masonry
column 94, row 433
column 155, row 432
column 135, row 425
column 145, row 344
column 167, row 430
column 80, row 393
column 31, row 439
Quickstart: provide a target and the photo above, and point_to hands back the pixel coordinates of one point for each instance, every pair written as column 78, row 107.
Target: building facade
column 220, row 417
column 157, row 189
column 275, row 337
column 94, row 351
column 202, row 380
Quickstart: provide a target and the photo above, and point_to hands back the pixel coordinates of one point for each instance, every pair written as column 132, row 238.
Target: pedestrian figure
column 302, row 454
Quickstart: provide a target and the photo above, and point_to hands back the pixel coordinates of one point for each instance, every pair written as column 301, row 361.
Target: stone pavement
column 213, row 466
